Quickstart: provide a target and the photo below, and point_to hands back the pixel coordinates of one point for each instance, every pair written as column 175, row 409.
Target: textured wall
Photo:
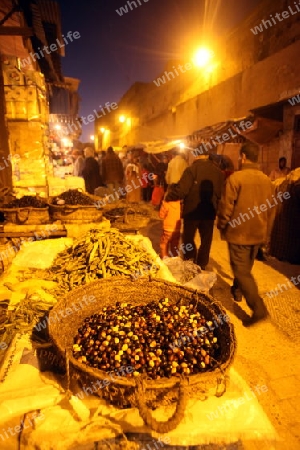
column 251, row 71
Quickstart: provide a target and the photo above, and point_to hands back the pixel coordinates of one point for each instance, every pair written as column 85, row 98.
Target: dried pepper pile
column 100, row 254
column 157, row 339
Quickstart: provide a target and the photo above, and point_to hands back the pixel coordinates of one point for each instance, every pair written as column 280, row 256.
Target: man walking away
column 112, row 170
column 200, row 188
column 245, row 220
column 90, row 171
column 78, row 162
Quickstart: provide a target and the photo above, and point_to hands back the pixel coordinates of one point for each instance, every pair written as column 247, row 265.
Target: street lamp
column 202, row 57
column 122, row 118
column 102, row 129
column 92, row 137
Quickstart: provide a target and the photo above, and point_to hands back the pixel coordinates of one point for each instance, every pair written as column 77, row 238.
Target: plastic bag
column 190, row 275
column 203, row 282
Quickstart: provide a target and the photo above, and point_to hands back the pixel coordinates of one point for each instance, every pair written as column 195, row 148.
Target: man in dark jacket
column 112, row 170
column 245, row 218
column 200, row 188
column 90, row 171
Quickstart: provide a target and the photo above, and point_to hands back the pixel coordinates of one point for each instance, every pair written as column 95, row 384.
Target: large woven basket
column 28, row 215
column 144, row 393
column 75, row 214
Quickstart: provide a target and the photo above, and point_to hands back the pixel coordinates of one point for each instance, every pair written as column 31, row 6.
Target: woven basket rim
column 65, row 206
column 130, row 382
column 26, row 208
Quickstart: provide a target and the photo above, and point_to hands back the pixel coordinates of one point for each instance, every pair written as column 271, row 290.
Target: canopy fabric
column 159, row 146
column 263, row 130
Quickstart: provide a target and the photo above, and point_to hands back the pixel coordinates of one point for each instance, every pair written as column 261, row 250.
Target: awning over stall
column 162, row 146
column 263, row 130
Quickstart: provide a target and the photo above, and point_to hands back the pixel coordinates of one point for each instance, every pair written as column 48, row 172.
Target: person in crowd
column 161, row 170
column 200, row 188
column 90, row 171
column 127, row 158
column 170, row 212
column 133, row 176
column 112, row 170
column 282, row 170
column 246, row 223
column 176, row 167
column 101, row 156
column 151, row 166
column 78, row 162
column 147, row 183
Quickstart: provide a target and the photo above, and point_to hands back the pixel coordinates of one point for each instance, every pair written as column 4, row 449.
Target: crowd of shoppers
column 195, row 196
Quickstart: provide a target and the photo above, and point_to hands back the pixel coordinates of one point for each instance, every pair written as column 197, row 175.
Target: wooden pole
column 5, row 162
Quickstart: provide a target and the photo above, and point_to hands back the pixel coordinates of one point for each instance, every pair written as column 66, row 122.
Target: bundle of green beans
column 100, row 254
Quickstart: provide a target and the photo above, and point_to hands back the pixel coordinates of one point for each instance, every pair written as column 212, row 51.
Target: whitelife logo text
column 259, row 209
column 50, row 48
column 284, row 15
column 124, row 9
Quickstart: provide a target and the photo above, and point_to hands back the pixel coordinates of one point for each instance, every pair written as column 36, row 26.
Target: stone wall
column 250, row 71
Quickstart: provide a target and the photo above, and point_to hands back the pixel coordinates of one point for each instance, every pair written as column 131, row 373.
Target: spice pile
column 27, row 201
column 100, row 254
column 73, row 197
column 157, row 339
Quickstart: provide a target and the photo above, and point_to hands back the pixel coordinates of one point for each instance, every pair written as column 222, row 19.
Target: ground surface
column 268, row 353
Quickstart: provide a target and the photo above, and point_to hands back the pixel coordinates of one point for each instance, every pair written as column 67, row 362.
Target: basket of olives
column 29, row 210
column 145, row 343
column 73, row 207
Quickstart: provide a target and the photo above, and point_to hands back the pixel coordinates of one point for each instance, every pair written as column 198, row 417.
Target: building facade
column 254, row 75
column 34, row 92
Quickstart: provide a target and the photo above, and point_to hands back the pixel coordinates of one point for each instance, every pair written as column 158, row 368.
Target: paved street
column 268, row 353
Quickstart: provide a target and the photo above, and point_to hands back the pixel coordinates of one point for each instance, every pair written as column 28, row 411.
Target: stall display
column 89, row 420
column 73, row 197
column 108, row 339
column 123, row 391
column 128, row 217
column 26, row 210
column 99, row 254
column 73, row 207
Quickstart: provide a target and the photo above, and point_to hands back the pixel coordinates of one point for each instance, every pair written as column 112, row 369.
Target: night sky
column 115, row 51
